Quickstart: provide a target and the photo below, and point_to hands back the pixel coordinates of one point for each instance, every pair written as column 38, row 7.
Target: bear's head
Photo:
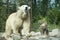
column 24, row 9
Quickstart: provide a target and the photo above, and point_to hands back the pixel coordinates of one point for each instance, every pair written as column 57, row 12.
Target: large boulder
column 55, row 33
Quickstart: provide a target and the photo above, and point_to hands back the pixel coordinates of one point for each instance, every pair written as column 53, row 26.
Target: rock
column 3, row 34
column 2, row 38
column 10, row 39
column 35, row 33
column 54, row 33
column 15, row 37
column 36, row 36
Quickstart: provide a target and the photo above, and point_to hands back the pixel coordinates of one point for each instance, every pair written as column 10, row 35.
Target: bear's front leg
column 7, row 32
column 26, row 27
column 15, row 31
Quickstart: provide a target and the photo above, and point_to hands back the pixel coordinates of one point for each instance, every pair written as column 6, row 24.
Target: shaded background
column 47, row 9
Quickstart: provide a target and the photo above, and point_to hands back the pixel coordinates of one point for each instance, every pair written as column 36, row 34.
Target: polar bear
column 18, row 19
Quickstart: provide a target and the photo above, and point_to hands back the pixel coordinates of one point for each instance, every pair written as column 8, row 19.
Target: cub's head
column 24, row 9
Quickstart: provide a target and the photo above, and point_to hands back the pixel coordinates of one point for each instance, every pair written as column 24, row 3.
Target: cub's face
column 25, row 11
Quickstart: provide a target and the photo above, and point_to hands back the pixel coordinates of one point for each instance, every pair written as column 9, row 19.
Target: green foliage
column 53, row 16
column 2, row 19
column 35, row 26
column 53, row 26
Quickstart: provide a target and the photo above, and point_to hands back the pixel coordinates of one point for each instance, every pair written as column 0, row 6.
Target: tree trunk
column 30, row 3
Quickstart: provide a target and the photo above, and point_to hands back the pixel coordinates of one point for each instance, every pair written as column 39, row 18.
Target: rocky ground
column 54, row 35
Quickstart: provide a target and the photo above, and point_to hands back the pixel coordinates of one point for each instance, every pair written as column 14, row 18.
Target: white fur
column 15, row 20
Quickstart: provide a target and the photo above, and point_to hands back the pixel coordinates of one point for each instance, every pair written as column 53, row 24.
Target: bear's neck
column 19, row 12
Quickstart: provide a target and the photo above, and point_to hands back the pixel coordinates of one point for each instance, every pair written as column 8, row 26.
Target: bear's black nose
column 26, row 8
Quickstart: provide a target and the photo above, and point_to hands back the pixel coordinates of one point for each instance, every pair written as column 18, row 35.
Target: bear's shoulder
column 12, row 15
